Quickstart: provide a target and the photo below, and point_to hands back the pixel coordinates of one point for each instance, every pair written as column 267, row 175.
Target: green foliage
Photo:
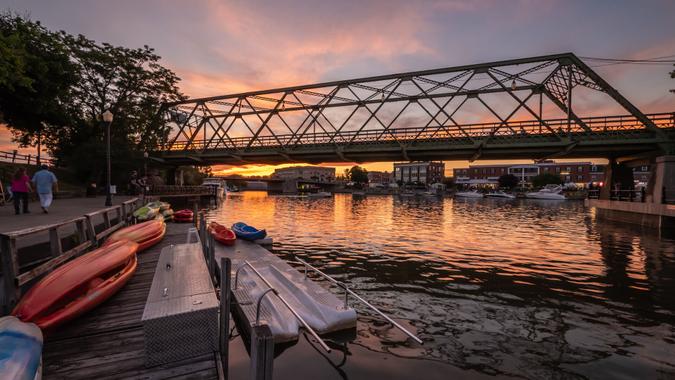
column 544, row 179
column 67, row 82
column 508, row 181
column 192, row 176
column 35, row 77
column 358, row 175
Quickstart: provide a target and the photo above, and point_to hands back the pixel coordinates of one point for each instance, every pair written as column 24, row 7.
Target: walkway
column 61, row 209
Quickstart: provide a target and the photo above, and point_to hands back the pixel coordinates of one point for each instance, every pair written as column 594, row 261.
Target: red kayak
column 146, row 234
column 222, row 234
column 183, row 216
column 78, row 286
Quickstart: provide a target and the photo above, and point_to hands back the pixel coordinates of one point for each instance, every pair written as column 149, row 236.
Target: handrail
column 295, row 313
column 347, row 290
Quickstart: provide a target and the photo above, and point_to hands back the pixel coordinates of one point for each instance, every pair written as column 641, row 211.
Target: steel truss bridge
column 417, row 116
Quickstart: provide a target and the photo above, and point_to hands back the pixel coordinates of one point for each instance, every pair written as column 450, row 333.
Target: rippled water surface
column 516, row 289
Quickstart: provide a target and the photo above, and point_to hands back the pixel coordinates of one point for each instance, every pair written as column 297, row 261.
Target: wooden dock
column 108, row 342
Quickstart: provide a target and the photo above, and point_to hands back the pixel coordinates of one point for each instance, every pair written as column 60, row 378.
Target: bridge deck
column 108, row 342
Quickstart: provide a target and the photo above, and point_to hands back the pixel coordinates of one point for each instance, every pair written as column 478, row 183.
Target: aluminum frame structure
column 371, row 119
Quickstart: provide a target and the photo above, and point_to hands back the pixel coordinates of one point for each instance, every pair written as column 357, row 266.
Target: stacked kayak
column 146, row 213
column 246, row 232
column 146, row 234
column 167, row 215
column 79, row 285
column 20, row 349
column 183, row 216
column 222, row 234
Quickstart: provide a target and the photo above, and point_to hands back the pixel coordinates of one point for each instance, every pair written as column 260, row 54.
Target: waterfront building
column 427, row 172
column 580, row 173
column 379, row 179
column 307, row 173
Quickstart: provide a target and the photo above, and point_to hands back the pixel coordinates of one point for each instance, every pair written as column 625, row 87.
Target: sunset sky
column 220, row 47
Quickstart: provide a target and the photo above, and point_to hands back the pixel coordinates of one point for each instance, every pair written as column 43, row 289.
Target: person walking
column 20, row 188
column 44, row 181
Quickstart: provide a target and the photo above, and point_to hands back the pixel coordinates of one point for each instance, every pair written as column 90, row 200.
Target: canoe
column 183, row 216
column 246, row 232
column 20, row 349
column 78, row 286
column 146, row 234
column 146, row 213
column 222, row 234
column 162, row 206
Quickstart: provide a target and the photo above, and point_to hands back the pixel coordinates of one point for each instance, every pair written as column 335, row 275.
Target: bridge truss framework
column 414, row 116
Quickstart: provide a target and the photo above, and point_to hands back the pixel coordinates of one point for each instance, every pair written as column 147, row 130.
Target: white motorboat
column 500, row 194
column 550, row 192
column 320, row 194
column 218, row 183
column 469, row 194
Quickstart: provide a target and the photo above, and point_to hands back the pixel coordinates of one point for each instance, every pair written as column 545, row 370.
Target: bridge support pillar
column 663, row 181
column 617, row 176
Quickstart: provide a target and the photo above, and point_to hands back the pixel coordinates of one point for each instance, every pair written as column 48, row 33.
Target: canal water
column 506, row 288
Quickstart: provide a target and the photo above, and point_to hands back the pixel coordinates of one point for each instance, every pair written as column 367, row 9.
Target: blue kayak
column 20, row 349
column 246, row 232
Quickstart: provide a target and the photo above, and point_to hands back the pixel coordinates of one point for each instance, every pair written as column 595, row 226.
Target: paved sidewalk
column 61, row 209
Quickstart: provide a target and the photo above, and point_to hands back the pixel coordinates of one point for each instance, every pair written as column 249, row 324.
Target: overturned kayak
column 183, row 216
column 246, row 232
column 20, row 349
column 78, row 286
column 222, row 234
column 146, row 234
column 146, row 213
column 162, row 206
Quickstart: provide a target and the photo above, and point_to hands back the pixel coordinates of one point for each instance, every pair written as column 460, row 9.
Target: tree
column 358, row 175
column 36, row 75
column 544, row 179
column 508, row 181
column 72, row 81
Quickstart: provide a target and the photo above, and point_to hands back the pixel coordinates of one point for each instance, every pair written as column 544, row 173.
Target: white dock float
column 318, row 307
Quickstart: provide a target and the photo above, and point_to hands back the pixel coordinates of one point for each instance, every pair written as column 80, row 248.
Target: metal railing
column 359, row 298
column 181, row 190
column 619, row 126
column 15, row 157
column 276, row 293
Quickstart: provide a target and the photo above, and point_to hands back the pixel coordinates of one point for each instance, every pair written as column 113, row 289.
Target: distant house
column 307, row 173
column 427, row 172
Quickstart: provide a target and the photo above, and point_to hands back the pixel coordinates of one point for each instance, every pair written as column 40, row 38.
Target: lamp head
column 107, row 116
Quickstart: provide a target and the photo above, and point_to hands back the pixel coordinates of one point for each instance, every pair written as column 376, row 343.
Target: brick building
column 307, row 173
column 419, row 172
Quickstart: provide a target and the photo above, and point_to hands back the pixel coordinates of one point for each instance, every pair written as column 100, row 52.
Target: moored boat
column 146, row 234
column 20, row 349
column 549, row 192
column 320, row 194
column 246, row 232
column 222, row 234
column 183, row 216
column 469, row 194
column 500, row 194
column 78, row 286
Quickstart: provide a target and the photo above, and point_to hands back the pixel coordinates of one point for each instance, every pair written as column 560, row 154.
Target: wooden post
column 212, row 257
column 91, row 230
column 225, row 284
column 262, row 352
column 106, row 220
column 55, row 242
column 195, row 213
column 10, row 269
column 81, row 231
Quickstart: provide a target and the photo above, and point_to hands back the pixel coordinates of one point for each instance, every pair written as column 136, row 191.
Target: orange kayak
column 78, row 286
column 222, row 234
column 146, row 234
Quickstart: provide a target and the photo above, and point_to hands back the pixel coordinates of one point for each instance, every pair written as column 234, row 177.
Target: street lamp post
column 107, row 119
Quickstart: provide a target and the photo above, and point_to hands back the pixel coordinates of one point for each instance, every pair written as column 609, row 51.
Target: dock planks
column 108, row 341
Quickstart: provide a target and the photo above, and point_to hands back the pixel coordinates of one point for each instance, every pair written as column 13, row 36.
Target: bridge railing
column 625, row 125
column 181, row 190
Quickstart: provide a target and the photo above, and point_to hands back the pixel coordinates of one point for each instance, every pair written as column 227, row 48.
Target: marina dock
column 108, row 342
